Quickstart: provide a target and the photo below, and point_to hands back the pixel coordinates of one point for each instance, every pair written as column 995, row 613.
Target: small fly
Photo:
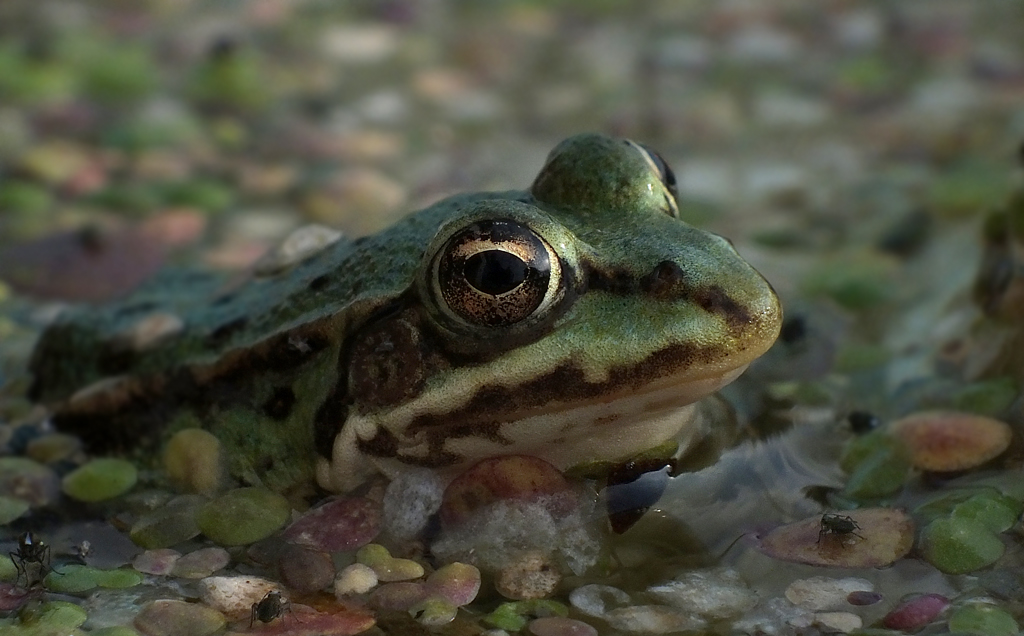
column 271, row 606
column 32, row 551
column 836, row 525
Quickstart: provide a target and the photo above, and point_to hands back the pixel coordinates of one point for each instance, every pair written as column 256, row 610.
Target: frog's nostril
column 663, row 279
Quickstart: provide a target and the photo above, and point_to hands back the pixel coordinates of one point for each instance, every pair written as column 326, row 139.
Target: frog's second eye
column 665, row 175
column 496, row 273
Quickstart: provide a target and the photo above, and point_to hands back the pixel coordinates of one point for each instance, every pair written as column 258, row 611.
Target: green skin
column 364, row 357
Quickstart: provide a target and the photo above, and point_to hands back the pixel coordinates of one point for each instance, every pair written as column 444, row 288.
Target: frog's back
column 191, row 317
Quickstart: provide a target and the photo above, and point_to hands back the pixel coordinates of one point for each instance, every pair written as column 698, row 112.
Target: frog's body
column 574, row 321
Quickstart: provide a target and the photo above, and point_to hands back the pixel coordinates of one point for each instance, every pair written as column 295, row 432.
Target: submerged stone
column 100, row 479
column 913, row 614
column 339, row 525
column 243, row 516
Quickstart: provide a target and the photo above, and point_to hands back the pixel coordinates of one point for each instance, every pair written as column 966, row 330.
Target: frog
column 577, row 320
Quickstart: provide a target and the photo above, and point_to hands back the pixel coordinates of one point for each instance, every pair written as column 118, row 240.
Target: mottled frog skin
column 574, row 321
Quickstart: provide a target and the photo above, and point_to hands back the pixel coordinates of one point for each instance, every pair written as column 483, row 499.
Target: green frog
column 575, row 321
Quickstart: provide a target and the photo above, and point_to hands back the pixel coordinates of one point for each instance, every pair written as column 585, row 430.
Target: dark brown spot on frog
column 386, row 361
column 713, row 299
column 280, row 403
column 664, row 280
column 382, row 444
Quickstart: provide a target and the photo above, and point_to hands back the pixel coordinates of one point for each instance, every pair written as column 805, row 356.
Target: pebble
column 156, row 562
column 959, row 546
column 29, row 481
column 201, row 563
column 387, row 567
column 823, row 593
column 844, row 622
column 560, row 626
column 53, row 447
column 167, row 617
column 712, row 594
column 531, row 576
column 339, row 525
column 946, row 441
column 398, row 596
column 409, row 501
column 863, row 598
column 243, row 516
column 913, row 614
column 652, row 619
column 100, row 479
column 193, row 462
column 355, row 579
column 596, row 600
column 73, row 578
column 233, row 596
column 434, row 611
column 170, row 524
column 296, row 247
column 305, row 570
column 459, row 583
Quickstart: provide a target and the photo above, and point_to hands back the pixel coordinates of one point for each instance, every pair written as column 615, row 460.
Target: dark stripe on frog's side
column 474, row 419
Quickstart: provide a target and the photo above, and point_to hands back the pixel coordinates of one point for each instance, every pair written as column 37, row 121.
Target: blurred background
column 798, row 129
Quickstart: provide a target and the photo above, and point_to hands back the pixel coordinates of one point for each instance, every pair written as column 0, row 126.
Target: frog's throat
column 612, row 426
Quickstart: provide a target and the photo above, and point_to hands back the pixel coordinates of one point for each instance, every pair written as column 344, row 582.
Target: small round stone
column 30, row 481
column 913, row 614
column 946, row 441
column 233, row 596
column 167, row 617
column 355, row 579
column 823, row 593
column 457, row 582
column 434, row 611
column 100, row 479
column 560, row 626
column 201, row 563
column 596, row 600
column 305, row 570
column 340, row 525
column 531, row 576
column 387, row 567
column 169, row 524
column 192, row 460
column 157, row 562
column 243, row 516
column 844, row 622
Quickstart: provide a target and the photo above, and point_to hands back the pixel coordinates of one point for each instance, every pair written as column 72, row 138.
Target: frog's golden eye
column 665, row 174
column 496, row 273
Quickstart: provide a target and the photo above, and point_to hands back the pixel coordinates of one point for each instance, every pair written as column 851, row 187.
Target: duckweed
column 243, row 516
column 983, row 619
column 75, row 578
column 958, row 545
column 100, row 479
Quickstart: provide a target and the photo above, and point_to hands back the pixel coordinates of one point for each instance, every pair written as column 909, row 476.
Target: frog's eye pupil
column 496, row 272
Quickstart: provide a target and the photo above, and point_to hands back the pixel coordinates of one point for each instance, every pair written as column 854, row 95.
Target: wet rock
column 913, row 614
column 459, row 583
column 531, row 576
column 983, row 618
column 243, row 516
column 355, row 579
column 298, row 246
column 100, row 479
column 652, row 619
column 509, row 477
column 712, row 594
column 305, row 570
column 173, row 618
column 399, row 596
column 157, row 562
column 28, row 481
column 409, row 502
column 880, row 537
column 843, row 622
column 823, row 593
column 234, row 596
column 53, row 447
column 596, row 600
column 946, row 441
column 74, row 578
column 340, row 525
column 170, row 524
column 201, row 563
column 387, row 567
column 560, row 626
column 958, row 546
column 193, row 462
